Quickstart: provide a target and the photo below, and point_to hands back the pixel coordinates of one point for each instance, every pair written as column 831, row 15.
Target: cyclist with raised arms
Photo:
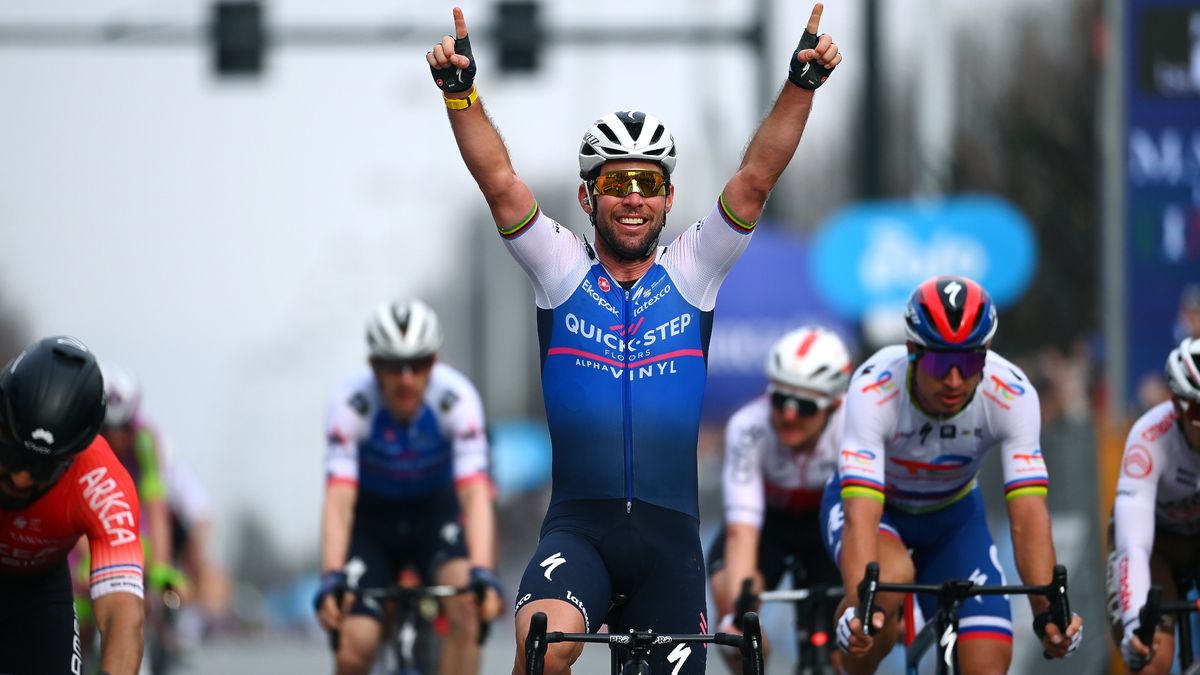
column 1155, row 519
column 59, row 481
column 623, row 325
column 779, row 451
column 407, row 485
column 920, row 417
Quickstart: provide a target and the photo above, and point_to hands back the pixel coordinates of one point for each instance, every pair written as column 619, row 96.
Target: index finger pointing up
column 460, row 24
column 813, row 21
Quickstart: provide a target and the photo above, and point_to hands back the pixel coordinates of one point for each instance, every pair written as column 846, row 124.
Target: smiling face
column 628, row 227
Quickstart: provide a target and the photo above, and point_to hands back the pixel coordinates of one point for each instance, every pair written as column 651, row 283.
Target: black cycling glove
column 808, row 75
column 456, row 80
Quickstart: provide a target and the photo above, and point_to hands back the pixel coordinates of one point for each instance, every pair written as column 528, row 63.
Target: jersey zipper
column 628, row 416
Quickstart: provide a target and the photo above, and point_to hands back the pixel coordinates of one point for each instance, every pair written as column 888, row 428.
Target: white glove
column 1131, row 656
column 843, row 629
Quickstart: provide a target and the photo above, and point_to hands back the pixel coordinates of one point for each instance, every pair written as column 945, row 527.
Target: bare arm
column 158, row 517
column 741, row 555
column 860, row 543
column 773, row 144
column 479, row 142
column 121, row 620
column 336, row 521
column 1033, row 547
column 475, row 499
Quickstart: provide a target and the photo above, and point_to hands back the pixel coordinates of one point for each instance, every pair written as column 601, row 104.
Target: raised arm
column 479, row 142
column 773, row 144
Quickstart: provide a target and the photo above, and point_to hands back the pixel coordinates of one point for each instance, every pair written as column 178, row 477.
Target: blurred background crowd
column 214, row 195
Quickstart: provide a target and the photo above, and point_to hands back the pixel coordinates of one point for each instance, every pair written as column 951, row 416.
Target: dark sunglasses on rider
column 42, row 469
column 621, row 183
column 939, row 364
column 418, row 366
column 798, row 405
column 1190, row 409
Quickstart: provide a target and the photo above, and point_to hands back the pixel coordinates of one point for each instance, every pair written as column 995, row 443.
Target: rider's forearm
column 158, row 515
column 337, row 519
column 479, row 521
column 741, row 556
column 769, row 152
column 486, row 157
column 860, row 542
column 121, row 620
column 1033, row 545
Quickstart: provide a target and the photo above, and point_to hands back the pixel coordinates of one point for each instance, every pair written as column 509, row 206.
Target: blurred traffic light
column 519, row 34
column 239, row 38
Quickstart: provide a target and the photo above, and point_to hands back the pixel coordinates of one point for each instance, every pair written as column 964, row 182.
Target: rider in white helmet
column 1155, row 531
column 407, row 486
column 779, row 450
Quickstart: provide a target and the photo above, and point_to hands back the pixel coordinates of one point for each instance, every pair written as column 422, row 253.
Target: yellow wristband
column 461, row 103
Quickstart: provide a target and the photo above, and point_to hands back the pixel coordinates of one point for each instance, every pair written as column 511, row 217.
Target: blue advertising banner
column 871, row 255
column 768, row 293
column 1162, row 236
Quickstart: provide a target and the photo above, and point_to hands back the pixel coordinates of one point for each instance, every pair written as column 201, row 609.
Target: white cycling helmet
column 812, row 358
column 122, row 394
column 1183, row 370
column 626, row 135
column 403, row 330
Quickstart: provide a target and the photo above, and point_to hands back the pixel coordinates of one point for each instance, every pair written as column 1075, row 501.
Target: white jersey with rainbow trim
column 922, row 462
column 1159, row 488
column 761, row 473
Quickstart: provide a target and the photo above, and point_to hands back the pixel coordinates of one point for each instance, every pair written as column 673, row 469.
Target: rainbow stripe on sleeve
column 736, row 223
column 519, row 229
column 861, row 487
column 1026, row 486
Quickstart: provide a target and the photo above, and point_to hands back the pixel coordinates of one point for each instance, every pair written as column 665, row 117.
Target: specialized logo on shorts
column 679, row 656
column 836, row 519
column 450, row 532
column 552, row 564
column 354, row 569
column 1138, row 463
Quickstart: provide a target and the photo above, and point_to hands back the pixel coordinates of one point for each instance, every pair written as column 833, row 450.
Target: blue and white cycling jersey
column 444, row 445
column 623, row 370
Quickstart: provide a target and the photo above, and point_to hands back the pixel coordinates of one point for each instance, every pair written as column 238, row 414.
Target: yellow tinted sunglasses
column 621, row 183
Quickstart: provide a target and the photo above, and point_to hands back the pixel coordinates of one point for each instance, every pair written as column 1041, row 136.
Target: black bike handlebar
column 409, row 594
column 961, row 589
column 749, row 643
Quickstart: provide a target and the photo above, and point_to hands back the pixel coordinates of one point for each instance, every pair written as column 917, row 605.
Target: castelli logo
column 603, row 284
column 1138, row 462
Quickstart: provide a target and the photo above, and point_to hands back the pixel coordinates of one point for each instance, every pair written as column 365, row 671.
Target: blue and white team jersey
column 623, row 371
column 892, row 450
column 444, row 445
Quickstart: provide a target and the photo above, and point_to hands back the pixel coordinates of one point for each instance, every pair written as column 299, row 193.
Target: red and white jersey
column 95, row 497
column 761, row 473
column 1159, row 487
column 922, row 462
